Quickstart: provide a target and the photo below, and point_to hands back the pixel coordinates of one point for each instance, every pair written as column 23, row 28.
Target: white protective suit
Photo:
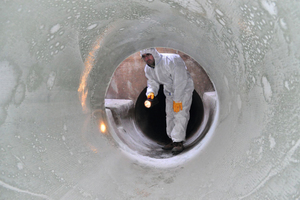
column 171, row 72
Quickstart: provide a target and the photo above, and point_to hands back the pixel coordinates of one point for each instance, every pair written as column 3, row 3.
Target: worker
column 170, row 71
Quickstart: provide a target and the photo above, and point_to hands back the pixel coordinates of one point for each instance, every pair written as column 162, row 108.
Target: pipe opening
column 141, row 131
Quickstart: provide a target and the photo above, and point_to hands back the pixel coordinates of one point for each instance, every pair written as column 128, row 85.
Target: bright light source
column 147, row 104
column 102, row 127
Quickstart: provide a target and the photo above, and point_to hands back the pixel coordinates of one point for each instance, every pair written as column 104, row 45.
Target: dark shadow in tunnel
column 152, row 121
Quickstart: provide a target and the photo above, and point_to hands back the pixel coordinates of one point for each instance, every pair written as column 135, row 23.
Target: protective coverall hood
column 156, row 55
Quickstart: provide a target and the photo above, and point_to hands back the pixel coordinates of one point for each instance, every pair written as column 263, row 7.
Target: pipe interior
column 51, row 148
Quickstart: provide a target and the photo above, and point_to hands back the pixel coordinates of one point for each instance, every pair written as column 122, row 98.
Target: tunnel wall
column 51, row 149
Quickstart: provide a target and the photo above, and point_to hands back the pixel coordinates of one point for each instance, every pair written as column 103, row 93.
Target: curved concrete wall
column 51, row 149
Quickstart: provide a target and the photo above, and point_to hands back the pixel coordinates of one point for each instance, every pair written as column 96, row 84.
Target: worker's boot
column 178, row 148
column 168, row 146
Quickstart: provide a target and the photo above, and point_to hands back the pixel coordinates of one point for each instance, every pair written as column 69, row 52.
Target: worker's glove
column 177, row 106
column 150, row 95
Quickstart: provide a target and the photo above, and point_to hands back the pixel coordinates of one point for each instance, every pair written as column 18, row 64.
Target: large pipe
column 51, row 149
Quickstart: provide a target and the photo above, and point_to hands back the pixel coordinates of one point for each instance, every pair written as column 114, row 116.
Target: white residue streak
column 286, row 84
column 226, row 81
column 55, row 28
column 277, row 169
column 219, row 12
column 272, row 142
column 7, row 186
column 20, row 93
column 270, row 6
column 283, row 25
column 65, row 127
column 239, row 102
column 51, row 80
column 91, row 26
column 267, row 89
column 20, row 166
column 222, row 22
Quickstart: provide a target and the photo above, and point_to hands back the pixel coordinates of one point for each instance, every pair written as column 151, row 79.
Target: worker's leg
column 181, row 119
column 169, row 116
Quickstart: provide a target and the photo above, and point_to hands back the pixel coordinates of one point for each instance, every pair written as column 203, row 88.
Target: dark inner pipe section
column 152, row 121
